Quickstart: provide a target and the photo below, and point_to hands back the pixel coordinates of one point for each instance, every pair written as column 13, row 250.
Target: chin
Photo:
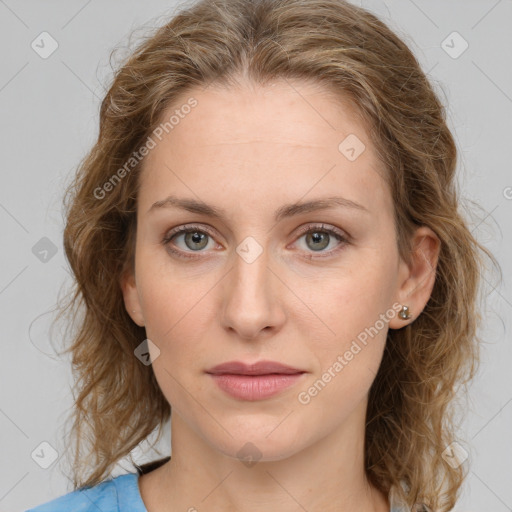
column 258, row 445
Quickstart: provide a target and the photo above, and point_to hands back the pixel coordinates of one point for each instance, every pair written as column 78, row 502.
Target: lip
column 255, row 387
column 258, row 368
column 256, row 381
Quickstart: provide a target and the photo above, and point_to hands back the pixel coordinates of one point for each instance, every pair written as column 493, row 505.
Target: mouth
column 259, row 368
column 256, row 381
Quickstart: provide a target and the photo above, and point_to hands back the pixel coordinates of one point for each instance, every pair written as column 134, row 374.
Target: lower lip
column 255, row 387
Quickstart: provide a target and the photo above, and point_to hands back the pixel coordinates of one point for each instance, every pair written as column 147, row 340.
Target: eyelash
column 192, row 228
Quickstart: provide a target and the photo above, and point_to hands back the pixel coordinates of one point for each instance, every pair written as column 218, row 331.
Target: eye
column 319, row 237
column 195, row 237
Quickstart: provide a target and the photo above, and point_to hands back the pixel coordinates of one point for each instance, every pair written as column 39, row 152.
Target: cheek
column 347, row 362
column 347, row 329
column 175, row 324
column 176, row 317
column 340, row 308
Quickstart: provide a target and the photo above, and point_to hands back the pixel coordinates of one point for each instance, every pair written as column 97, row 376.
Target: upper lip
column 259, row 368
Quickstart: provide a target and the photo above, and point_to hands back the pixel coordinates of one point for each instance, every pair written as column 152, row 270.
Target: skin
column 250, row 150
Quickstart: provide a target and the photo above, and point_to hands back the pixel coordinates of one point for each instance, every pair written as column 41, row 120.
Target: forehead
column 279, row 141
column 282, row 112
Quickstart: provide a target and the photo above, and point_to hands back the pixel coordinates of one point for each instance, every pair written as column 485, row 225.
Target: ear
column 131, row 297
column 417, row 278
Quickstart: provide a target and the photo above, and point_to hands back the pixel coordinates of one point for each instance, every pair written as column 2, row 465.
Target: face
column 252, row 284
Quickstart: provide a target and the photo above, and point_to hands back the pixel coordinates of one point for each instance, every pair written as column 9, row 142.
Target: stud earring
column 404, row 313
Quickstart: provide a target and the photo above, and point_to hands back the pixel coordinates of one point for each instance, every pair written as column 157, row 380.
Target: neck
column 328, row 475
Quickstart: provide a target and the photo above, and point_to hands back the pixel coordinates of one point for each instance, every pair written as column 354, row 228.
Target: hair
column 349, row 51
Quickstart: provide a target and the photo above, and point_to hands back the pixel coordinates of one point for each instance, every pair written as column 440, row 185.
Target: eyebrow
column 288, row 210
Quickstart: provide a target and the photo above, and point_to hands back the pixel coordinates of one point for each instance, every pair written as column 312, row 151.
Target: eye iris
column 196, row 237
column 317, row 237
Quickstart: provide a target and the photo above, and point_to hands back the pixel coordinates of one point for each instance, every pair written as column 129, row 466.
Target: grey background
column 49, row 114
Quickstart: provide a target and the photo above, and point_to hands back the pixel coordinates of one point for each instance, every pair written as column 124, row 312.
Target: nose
column 252, row 297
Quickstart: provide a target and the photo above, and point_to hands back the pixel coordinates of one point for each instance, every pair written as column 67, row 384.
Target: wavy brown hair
column 348, row 50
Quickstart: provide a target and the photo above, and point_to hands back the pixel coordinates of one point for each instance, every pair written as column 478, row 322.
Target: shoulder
column 113, row 495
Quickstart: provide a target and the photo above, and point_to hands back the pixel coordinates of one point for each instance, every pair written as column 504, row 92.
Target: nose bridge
column 250, row 302
column 251, row 275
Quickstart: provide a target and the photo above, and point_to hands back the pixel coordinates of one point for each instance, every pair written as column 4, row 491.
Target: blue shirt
column 121, row 494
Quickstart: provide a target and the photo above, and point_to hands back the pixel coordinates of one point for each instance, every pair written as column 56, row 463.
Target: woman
column 266, row 239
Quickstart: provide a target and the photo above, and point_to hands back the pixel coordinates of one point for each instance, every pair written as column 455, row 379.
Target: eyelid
column 322, row 226
column 184, row 228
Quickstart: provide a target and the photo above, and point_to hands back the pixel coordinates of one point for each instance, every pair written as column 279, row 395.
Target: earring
column 404, row 313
